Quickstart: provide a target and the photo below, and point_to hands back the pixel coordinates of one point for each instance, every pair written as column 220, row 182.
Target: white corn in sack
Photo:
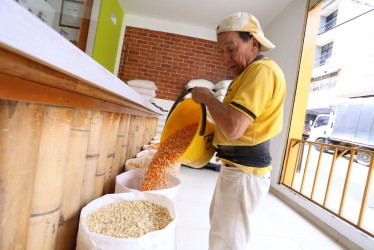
column 156, row 240
column 130, row 182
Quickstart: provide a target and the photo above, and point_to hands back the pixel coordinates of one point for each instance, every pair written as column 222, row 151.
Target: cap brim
column 266, row 45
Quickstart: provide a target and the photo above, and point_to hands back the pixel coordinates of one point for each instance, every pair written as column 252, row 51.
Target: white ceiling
column 204, row 13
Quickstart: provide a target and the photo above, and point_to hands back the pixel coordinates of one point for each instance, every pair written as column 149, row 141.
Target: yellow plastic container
column 200, row 150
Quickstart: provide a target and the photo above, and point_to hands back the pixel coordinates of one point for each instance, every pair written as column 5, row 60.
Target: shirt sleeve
column 254, row 92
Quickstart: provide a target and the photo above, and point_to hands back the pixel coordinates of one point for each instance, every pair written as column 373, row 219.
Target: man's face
column 237, row 55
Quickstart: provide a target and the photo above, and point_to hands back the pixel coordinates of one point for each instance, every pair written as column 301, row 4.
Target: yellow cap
column 245, row 22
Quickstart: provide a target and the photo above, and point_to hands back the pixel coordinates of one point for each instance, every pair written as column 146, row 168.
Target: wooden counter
column 67, row 126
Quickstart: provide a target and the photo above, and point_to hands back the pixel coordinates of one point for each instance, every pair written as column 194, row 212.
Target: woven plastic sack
column 130, row 182
column 148, row 147
column 148, row 153
column 224, row 84
column 144, row 91
column 154, row 141
column 149, row 98
column 157, row 240
column 220, row 98
column 146, row 84
column 137, row 161
column 200, row 83
column 220, row 92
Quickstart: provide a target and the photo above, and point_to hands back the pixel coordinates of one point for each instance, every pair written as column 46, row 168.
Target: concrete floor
column 284, row 229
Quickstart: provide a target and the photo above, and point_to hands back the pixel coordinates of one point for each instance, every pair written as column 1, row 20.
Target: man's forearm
column 231, row 121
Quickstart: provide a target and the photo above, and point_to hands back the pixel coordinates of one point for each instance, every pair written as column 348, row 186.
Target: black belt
column 253, row 156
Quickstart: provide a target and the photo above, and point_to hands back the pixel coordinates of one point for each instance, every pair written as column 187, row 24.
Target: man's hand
column 201, row 95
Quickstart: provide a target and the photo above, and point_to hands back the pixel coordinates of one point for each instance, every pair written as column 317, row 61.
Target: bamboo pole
column 109, row 166
column 73, row 179
column 124, row 143
column 139, row 134
column 49, row 179
column 118, row 151
column 20, row 125
column 67, row 234
column 104, row 144
column 131, row 148
column 92, row 158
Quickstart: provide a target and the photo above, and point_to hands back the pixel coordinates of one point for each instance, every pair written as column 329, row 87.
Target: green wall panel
column 108, row 34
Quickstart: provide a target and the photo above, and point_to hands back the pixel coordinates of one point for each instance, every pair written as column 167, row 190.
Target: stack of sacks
column 149, row 150
column 199, row 83
column 144, row 87
column 161, row 123
column 221, row 89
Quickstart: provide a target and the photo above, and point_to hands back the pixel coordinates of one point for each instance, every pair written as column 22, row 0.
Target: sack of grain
column 200, row 83
column 163, row 238
column 135, row 163
column 148, row 153
column 144, row 91
column 130, row 182
column 138, row 83
column 224, row 84
column 151, row 146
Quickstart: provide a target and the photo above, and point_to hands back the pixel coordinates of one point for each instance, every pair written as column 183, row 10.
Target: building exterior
column 344, row 55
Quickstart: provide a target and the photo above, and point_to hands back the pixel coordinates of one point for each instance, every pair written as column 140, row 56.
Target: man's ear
column 254, row 43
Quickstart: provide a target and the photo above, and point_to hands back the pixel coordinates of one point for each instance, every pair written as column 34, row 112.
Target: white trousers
column 235, row 197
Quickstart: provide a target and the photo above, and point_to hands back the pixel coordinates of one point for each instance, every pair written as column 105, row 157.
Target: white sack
column 142, row 160
column 148, row 153
column 144, row 91
column 224, row 84
column 149, row 98
column 156, row 240
column 220, row 92
column 200, row 83
column 142, row 84
column 220, row 98
column 130, row 182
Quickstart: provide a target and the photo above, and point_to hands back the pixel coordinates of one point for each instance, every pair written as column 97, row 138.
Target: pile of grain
column 128, row 219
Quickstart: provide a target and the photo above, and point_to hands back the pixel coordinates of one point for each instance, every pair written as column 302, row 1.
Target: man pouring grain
column 250, row 115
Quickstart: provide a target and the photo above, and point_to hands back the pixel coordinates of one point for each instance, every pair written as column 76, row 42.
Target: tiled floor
column 275, row 225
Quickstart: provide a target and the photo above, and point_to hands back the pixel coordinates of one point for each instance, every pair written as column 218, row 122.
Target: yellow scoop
column 182, row 114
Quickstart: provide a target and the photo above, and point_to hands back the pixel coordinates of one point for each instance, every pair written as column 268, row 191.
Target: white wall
column 169, row 27
column 286, row 33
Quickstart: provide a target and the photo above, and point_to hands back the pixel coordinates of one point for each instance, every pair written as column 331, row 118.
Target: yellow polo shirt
column 258, row 92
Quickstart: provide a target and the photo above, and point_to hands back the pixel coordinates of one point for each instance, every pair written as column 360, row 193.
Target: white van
column 321, row 127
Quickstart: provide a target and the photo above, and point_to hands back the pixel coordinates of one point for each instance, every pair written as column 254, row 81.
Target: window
column 325, row 54
column 324, row 82
column 64, row 16
column 331, row 21
column 322, row 121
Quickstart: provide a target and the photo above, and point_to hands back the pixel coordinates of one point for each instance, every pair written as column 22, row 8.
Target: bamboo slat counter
column 67, row 126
